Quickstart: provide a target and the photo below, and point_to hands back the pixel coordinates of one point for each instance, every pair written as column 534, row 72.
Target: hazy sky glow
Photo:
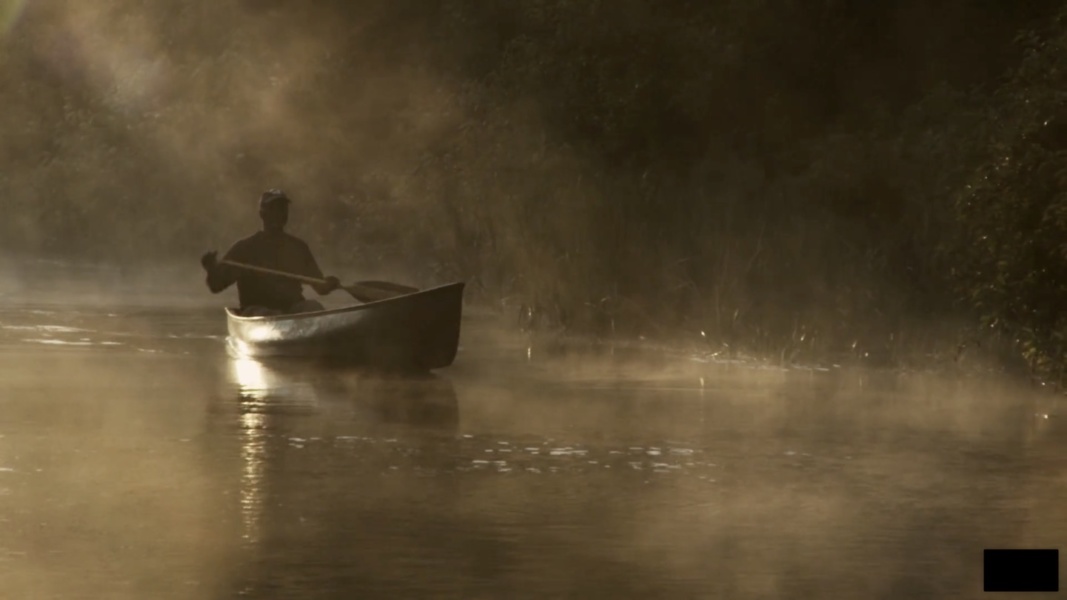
column 10, row 10
column 195, row 109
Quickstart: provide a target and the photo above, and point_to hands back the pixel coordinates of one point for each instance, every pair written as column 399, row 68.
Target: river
column 139, row 460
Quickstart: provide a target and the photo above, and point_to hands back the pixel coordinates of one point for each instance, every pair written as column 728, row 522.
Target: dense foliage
column 1010, row 254
column 790, row 176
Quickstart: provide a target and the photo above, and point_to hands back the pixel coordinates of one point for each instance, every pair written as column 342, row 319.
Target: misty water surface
column 138, row 460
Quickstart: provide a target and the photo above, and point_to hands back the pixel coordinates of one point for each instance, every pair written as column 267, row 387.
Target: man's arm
column 220, row 277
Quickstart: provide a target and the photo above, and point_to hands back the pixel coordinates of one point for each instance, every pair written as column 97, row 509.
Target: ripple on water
column 467, row 453
column 575, row 459
column 46, row 328
column 79, row 342
column 155, row 330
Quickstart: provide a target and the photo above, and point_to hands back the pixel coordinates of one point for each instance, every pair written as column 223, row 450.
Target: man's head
column 274, row 210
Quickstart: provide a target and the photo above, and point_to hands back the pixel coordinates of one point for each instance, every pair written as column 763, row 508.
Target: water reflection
column 416, row 400
column 288, row 412
column 568, row 475
column 251, row 376
column 253, row 457
column 263, row 387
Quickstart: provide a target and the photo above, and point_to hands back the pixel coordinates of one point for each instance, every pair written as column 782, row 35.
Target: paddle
column 364, row 291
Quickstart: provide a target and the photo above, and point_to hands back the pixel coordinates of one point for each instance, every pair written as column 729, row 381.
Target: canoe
column 418, row 331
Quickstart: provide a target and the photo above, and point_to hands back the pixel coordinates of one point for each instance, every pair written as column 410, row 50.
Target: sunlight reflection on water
column 513, row 473
column 254, row 455
column 250, row 376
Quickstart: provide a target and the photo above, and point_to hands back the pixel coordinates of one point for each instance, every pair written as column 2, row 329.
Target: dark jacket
column 281, row 252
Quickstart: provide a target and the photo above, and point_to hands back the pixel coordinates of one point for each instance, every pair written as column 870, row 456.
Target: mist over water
column 152, row 128
column 737, row 279
column 138, row 459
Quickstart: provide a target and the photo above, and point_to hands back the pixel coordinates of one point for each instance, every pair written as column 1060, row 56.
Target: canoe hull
column 417, row 331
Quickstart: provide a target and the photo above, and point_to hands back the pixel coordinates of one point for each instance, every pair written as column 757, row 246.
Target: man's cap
column 273, row 197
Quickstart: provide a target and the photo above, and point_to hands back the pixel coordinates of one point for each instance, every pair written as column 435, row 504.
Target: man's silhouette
column 272, row 248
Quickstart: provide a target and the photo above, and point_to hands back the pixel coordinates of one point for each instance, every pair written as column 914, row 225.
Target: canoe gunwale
column 232, row 314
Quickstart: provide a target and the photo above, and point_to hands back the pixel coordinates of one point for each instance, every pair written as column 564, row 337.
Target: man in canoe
column 271, row 248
